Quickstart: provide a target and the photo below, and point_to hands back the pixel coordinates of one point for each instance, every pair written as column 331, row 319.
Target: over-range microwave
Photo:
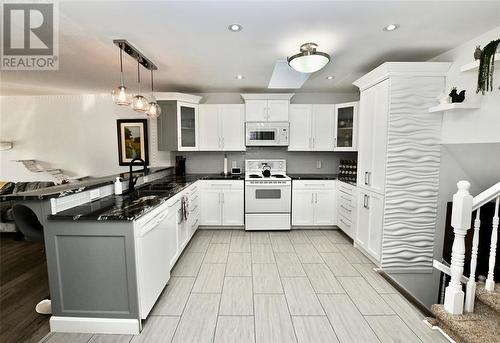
column 267, row 133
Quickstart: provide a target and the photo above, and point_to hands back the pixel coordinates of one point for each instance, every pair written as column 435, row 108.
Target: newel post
column 460, row 221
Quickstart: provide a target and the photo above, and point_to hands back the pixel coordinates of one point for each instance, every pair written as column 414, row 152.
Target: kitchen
column 291, row 190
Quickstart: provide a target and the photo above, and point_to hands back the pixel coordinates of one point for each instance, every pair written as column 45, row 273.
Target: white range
column 268, row 195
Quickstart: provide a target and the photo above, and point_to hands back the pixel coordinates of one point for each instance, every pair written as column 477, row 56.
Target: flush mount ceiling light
column 239, row 77
column 391, row 27
column 154, row 109
column 235, row 27
column 309, row 59
column 120, row 95
column 330, row 77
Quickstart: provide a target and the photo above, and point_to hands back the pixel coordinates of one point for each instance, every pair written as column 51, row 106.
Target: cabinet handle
column 219, row 198
column 365, row 201
column 314, row 142
column 316, row 196
column 369, row 177
column 312, row 198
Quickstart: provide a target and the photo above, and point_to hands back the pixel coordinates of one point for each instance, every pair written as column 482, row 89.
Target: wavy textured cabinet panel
column 412, row 174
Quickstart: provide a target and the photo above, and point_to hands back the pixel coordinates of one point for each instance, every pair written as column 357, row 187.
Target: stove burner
column 278, row 176
column 254, row 176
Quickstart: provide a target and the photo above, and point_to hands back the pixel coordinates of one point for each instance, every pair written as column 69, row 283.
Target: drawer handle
column 365, row 202
column 346, row 199
column 345, row 208
column 344, row 222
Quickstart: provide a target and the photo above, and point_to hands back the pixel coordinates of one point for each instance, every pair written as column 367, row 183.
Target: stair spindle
column 460, row 221
column 470, row 294
column 490, row 280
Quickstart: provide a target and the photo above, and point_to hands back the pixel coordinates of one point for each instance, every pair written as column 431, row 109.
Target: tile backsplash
column 297, row 162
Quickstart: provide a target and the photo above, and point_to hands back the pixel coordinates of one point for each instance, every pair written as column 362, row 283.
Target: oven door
column 267, row 198
column 261, row 136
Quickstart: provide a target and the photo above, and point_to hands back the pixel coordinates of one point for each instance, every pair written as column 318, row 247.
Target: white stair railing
column 460, row 221
column 490, row 281
column 470, row 293
column 463, row 206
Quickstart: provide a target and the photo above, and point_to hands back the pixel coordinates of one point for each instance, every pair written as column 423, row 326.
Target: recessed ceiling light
column 235, row 27
column 330, row 77
column 391, row 27
column 239, row 77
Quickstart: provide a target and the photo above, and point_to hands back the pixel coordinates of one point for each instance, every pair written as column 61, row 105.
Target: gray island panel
column 92, row 269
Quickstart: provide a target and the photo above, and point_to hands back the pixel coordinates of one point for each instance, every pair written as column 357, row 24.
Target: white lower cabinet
column 369, row 222
column 346, row 208
column 313, row 203
column 221, row 203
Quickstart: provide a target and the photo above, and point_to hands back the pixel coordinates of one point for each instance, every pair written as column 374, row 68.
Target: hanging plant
column 486, row 67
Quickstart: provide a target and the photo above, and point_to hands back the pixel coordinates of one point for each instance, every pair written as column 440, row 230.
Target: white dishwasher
column 153, row 260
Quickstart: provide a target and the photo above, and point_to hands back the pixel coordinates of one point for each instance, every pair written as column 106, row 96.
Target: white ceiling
column 195, row 52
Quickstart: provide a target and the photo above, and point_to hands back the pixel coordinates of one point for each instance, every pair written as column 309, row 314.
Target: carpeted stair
column 482, row 326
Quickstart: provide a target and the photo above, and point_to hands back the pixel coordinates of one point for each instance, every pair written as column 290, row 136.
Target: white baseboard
column 94, row 325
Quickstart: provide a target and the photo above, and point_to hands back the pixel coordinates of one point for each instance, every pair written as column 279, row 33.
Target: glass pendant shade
column 140, row 103
column 119, row 94
column 121, row 97
column 309, row 60
column 154, row 110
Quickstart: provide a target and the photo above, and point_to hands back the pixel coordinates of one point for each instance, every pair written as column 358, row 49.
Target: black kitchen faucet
column 132, row 180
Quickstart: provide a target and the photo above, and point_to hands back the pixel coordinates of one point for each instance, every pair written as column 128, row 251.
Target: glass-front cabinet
column 346, row 121
column 187, row 126
column 177, row 125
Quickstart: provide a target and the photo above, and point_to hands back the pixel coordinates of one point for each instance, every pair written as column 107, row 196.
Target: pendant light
column 154, row 110
column 119, row 94
column 309, row 60
column 139, row 103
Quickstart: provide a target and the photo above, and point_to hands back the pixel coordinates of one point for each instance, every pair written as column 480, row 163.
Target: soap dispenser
column 118, row 186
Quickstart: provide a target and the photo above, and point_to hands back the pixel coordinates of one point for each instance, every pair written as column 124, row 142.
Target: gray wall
column 297, row 162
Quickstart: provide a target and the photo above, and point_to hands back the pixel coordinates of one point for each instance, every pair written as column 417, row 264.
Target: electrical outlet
column 318, row 164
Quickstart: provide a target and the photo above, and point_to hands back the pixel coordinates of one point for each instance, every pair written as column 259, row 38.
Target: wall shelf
column 475, row 65
column 454, row 107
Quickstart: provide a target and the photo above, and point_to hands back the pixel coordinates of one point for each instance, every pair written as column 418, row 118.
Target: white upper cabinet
column 372, row 141
column 177, row 126
column 267, row 107
column 346, row 122
column 256, row 110
column 311, row 127
column 322, row 127
column 232, row 120
column 300, row 127
column 222, row 127
column 209, row 127
column 277, row 110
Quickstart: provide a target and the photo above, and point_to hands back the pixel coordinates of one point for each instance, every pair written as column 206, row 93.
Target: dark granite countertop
column 133, row 205
column 76, row 187
column 313, row 176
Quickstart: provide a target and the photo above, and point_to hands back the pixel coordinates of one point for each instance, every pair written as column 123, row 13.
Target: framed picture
column 132, row 140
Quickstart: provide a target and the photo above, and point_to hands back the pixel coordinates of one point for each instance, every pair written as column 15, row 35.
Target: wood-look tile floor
column 270, row 287
column 23, row 283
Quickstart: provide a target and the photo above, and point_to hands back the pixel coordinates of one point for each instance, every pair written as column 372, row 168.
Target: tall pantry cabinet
column 398, row 164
